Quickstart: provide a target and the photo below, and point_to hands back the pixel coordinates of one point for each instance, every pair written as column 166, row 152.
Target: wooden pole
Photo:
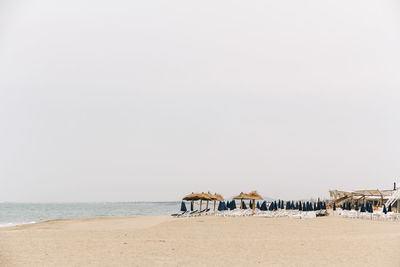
column 241, row 203
column 201, row 201
column 214, row 204
column 207, row 205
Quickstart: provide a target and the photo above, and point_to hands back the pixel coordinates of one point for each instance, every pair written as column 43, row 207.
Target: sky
column 152, row 100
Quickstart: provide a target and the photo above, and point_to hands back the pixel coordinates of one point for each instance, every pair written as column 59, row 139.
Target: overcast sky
column 151, row 100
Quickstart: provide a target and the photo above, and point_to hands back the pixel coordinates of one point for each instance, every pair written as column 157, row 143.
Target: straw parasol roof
column 242, row 196
column 218, row 197
column 210, row 196
column 198, row 196
column 254, row 195
column 250, row 196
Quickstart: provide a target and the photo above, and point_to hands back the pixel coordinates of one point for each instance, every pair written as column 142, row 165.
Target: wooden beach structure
column 374, row 196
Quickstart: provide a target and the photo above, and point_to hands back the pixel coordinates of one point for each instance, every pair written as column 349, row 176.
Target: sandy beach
column 202, row 241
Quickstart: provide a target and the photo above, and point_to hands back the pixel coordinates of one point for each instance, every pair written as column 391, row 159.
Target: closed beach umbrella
column 356, row 207
column 258, row 205
column 233, row 204
column 221, row 206
column 264, row 205
column 244, row 205
column 228, row 204
column 384, row 209
column 362, row 208
column 275, row 206
column 300, row 207
column 334, row 206
column 390, row 208
column 183, row 206
column 250, row 205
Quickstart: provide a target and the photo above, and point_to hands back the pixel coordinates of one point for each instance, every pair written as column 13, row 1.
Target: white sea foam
column 14, row 224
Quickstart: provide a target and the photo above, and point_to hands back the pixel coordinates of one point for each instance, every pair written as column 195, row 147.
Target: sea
column 25, row 213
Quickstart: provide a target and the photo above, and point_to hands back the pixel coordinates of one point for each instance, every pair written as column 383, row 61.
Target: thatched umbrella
column 210, row 197
column 197, row 196
column 217, row 197
column 192, row 197
column 253, row 195
column 241, row 196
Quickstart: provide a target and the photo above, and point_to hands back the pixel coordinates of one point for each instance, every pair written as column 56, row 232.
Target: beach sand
column 202, row 241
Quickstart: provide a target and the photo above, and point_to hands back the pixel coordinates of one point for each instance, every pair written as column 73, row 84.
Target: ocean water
column 24, row 213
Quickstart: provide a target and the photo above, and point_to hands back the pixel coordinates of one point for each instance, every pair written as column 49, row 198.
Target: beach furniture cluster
column 364, row 204
column 367, row 204
column 366, row 211
column 255, row 206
